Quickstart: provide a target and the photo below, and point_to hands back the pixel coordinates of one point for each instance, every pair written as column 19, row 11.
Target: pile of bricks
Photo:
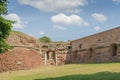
column 19, row 59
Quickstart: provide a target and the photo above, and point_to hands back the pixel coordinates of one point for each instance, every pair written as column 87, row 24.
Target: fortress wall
column 20, row 59
column 100, row 39
column 100, row 47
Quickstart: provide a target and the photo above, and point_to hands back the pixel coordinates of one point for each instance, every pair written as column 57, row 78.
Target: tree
column 5, row 26
column 45, row 39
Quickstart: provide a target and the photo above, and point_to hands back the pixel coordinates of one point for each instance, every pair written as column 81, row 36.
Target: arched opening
column 75, row 55
column 53, row 56
column 114, row 49
column 69, row 47
column 90, row 52
column 48, row 56
column 80, row 46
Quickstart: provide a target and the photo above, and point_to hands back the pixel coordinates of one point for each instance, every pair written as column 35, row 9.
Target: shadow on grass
column 98, row 63
column 95, row 76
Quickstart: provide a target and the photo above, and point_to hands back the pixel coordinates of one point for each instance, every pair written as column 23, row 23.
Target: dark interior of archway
column 53, row 56
column 90, row 52
column 48, row 55
column 114, row 49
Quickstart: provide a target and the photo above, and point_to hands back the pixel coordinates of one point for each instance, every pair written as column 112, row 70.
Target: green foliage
column 3, row 6
column 3, row 46
column 45, row 39
column 5, row 26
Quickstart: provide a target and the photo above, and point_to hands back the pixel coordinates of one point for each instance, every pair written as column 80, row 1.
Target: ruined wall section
column 20, row 58
column 101, row 47
column 19, row 38
column 100, row 39
column 54, row 53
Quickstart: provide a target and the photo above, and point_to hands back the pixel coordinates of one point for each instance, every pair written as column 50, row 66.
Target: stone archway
column 113, row 49
column 50, row 57
column 90, row 53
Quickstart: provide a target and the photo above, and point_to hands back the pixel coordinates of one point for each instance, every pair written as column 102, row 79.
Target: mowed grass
column 103, row 71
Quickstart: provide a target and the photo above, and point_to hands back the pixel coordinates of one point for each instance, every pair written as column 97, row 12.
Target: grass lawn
column 104, row 71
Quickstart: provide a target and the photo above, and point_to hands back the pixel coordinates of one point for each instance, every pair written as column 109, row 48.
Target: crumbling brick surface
column 19, row 38
column 61, row 59
column 100, row 47
column 19, row 59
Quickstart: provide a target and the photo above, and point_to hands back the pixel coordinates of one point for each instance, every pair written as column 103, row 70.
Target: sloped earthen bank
column 20, row 58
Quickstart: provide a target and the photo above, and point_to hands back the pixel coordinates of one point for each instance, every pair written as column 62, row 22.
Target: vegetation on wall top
column 45, row 39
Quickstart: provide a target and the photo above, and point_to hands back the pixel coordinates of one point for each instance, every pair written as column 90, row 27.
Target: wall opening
column 80, row 46
column 90, row 52
column 75, row 54
column 48, row 56
column 53, row 56
column 69, row 47
column 114, row 49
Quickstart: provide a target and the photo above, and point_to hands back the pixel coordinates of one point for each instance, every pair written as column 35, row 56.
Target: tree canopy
column 45, row 39
column 5, row 26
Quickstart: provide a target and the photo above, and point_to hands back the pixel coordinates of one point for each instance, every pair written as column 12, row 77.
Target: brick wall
column 19, row 59
column 96, row 48
column 101, row 39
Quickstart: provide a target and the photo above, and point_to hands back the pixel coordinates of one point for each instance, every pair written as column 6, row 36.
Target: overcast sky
column 64, row 20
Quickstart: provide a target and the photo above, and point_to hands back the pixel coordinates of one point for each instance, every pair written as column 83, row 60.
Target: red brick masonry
column 19, row 59
column 100, row 47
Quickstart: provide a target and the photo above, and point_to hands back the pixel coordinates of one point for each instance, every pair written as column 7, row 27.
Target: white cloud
column 73, row 11
column 42, row 33
column 59, row 27
column 116, row 1
column 99, row 17
column 97, row 28
column 62, row 19
column 54, row 5
column 15, row 17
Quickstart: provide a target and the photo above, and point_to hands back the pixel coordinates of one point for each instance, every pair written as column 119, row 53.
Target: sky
column 63, row 20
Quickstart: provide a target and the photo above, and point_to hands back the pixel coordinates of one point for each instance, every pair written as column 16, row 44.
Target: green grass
column 104, row 71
